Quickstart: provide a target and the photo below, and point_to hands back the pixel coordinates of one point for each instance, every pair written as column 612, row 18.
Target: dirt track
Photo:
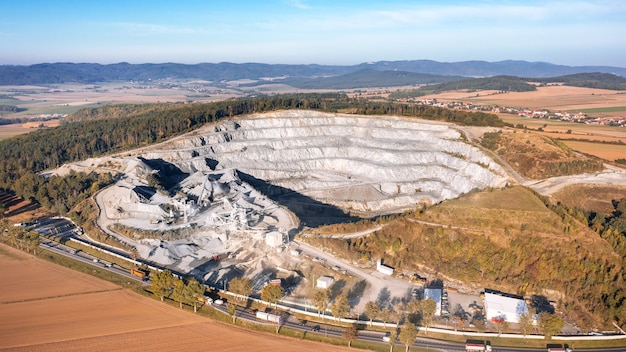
column 45, row 307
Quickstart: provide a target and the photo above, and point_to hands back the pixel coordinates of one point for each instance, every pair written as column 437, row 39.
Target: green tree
column 392, row 340
column 161, row 284
column 385, row 315
column 232, row 309
column 241, row 286
column 271, row 293
column 350, row 333
column 195, row 292
column 549, row 324
column 408, row 334
column 341, row 306
column 526, row 323
column 320, row 300
column 179, row 292
column 371, row 310
column 479, row 324
column 428, row 308
column 502, row 326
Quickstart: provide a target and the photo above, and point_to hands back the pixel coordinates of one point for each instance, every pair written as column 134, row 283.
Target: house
column 501, row 306
column 324, row 282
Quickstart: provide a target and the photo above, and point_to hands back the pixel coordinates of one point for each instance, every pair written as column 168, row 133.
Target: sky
column 328, row 32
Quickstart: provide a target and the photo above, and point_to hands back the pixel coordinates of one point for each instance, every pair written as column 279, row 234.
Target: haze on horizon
column 576, row 33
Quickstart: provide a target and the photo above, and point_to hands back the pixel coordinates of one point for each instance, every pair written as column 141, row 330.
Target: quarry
column 227, row 199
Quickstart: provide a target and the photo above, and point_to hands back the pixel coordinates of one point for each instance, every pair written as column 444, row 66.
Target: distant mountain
column 365, row 78
column 54, row 73
column 488, row 69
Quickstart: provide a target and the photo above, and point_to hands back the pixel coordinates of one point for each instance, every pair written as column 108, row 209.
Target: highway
column 369, row 336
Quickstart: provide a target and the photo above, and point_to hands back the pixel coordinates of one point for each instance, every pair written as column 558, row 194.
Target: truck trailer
column 270, row 317
column 139, row 273
column 475, row 347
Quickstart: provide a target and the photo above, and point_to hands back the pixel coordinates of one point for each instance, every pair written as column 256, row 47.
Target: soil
column 46, row 307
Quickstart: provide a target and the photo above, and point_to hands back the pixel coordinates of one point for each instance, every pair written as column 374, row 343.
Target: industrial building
column 324, row 282
column 502, row 306
column 435, row 294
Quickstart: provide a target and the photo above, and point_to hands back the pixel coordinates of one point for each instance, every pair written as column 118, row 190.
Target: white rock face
column 362, row 163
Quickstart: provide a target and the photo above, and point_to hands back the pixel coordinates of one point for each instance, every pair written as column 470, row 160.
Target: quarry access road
column 350, row 235
column 611, row 175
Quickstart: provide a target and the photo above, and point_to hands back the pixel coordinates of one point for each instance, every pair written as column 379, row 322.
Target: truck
column 470, row 346
column 559, row 349
column 269, row 317
column 139, row 273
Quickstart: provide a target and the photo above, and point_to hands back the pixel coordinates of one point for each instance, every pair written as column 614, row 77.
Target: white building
column 274, row 239
column 504, row 306
column 324, row 282
column 435, row 294
column 382, row 268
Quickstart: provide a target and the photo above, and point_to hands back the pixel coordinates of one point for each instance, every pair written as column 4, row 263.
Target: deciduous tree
column 408, row 333
column 372, row 310
column 241, row 286
column 320, row 300
column 549, row 324
column 161, row 284
column 271, row 293
column 340, row 307
column 350, row 333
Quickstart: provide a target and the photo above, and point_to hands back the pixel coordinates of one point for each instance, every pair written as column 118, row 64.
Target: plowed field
column 45, row 307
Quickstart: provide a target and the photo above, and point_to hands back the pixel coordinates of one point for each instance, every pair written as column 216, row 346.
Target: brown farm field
column 46, row 307
column 577, row 136
column 555, row 98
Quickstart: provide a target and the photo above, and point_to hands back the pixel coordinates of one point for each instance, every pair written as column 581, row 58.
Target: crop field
column 554, row 98
column 46, row 307
column 601, row 150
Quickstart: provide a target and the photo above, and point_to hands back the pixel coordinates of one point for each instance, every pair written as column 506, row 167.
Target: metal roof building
column 504, row 306
column 435, row 294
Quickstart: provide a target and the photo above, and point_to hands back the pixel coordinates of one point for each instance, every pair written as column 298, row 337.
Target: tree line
column 95, row 132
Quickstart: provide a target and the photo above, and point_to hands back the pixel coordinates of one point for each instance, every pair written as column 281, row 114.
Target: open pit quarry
column 241, row 187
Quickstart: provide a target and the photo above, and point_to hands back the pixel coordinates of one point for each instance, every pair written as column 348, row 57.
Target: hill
column 367, row 78
column 55, row 73
column 505, row 239
column 535, row 156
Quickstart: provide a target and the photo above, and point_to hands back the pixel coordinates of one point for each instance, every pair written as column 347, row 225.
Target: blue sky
column 569, row 32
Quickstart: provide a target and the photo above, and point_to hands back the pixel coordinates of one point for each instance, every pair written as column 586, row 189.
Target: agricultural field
column 580, row 137
column 46, row 307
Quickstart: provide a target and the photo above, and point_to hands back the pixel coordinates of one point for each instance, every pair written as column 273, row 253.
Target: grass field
column 600, row 110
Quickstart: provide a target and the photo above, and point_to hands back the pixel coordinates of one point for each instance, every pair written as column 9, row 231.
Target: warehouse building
column 502, row 306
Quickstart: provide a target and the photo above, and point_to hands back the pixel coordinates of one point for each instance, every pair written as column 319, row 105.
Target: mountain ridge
column 66, row 72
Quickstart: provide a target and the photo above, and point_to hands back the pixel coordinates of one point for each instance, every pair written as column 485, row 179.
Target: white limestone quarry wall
column 406, row 160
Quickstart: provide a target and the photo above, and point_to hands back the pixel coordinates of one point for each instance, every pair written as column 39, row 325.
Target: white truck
column 270, row 317
column 477, row 347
